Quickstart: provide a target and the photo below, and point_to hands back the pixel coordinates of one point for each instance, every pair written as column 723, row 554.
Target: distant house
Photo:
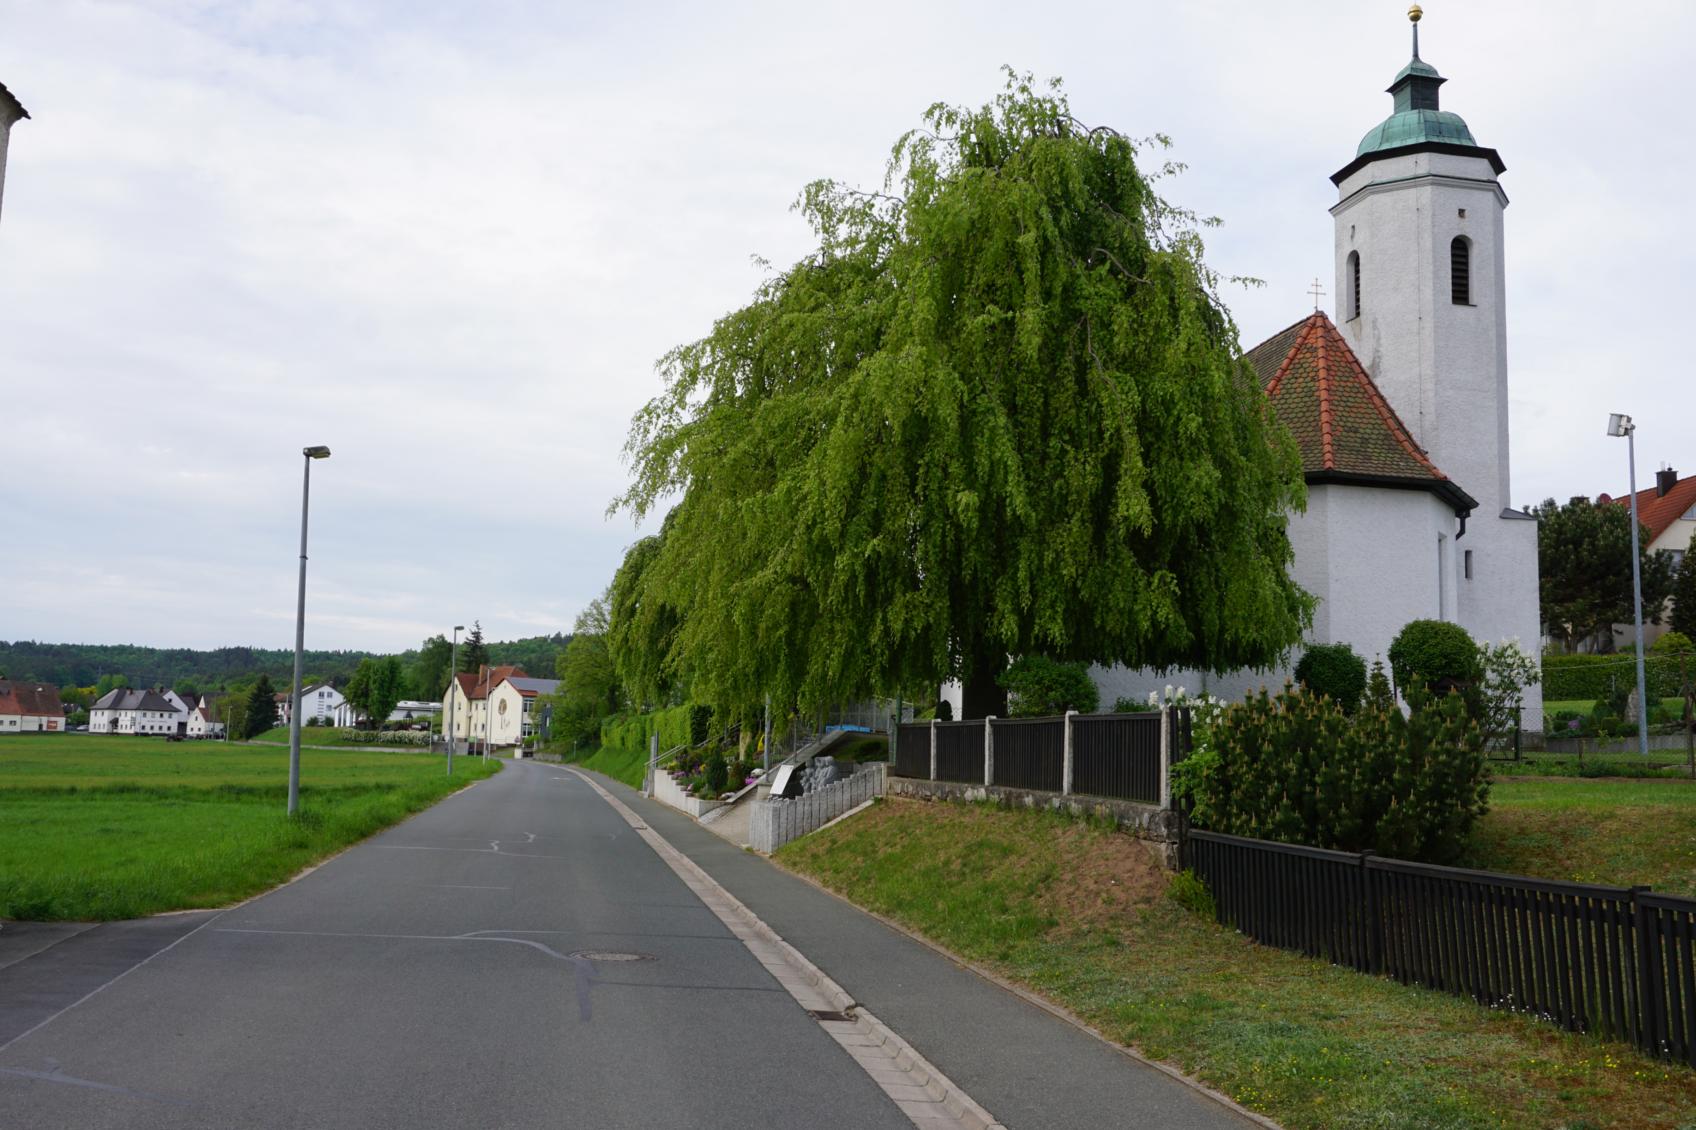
column 284, row 707
column 29, row 707
column 346, row 716
column 201, row 724
column 1668, row 509
column 467, row 702
column 126, row 711
column 184, row 706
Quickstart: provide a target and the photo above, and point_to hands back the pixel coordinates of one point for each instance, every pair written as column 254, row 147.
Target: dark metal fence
column 1030, row 753
column 1111, row 755
column 1608, row 960
column 1117, row 755
column 912, row 749
column 959, row 751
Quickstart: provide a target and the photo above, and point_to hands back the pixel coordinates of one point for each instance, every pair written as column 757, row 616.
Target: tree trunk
column 982, row 696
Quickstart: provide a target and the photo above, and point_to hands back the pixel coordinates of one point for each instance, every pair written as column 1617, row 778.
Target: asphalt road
column 464, row 970
column 426, row 978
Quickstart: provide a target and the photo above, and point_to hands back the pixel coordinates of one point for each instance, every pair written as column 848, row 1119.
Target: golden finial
column 1415, row 12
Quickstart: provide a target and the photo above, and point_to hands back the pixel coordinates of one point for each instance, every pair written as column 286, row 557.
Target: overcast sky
column 449, row 240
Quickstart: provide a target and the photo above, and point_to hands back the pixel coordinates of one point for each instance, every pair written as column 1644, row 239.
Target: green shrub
column 715, row 772
column 1435, row 655
column 632, row 731
column 1591, row 677
column 1334, row 669
column 1296, row 769
column 1189, row 892
column 1673, row 643
column 1134, row 706
column 1038, row 686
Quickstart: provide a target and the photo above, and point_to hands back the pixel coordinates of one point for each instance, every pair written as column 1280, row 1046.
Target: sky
column 450, row 240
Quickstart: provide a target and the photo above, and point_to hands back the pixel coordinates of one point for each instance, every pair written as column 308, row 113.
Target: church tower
column 1422, row 302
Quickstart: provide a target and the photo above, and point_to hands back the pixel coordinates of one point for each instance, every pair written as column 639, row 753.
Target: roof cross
column 1318, row 292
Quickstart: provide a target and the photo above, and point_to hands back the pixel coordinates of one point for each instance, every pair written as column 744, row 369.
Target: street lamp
column 311, row 453
column 453, row 682
column 1621, row 425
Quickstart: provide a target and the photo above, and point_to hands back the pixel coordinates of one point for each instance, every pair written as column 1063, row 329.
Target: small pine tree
column 474, row 655
column 261, row 713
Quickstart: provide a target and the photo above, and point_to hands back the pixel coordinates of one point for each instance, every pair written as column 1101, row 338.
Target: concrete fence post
column 1066, row 756
column 1165, row 758
column 933, row 749
column 989, row 751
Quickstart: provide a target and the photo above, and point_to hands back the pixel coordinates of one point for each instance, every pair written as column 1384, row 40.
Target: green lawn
column 1674, row 706
column 99, row 827
column 1618, row 833
column 1079, row 914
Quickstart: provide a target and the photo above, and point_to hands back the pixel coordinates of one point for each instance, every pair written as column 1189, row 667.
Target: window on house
column 1469, row 564
column 1460, row 271
column 1354, row 284
column 1677, row 558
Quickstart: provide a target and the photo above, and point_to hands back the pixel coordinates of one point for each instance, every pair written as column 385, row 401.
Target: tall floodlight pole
column 1621, row 425
column 453, row 686
column 311, row 453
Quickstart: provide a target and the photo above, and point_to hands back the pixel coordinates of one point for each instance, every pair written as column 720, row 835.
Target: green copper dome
column 1416, row 118
column 1410, row 127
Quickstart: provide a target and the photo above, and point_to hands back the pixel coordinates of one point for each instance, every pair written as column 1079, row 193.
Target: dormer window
column 1460, row 271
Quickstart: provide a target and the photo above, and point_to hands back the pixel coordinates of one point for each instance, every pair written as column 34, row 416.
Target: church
column 1400, row 407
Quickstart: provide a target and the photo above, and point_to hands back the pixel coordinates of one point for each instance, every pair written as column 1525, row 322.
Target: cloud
column 450, row 242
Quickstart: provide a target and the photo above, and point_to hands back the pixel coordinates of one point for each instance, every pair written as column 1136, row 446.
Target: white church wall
column 1389, row 564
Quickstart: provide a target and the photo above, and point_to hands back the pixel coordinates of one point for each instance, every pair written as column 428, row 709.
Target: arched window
column 1354, row 284
column 1460, row 271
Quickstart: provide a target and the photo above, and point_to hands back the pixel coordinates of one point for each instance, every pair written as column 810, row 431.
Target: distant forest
column 83, row 665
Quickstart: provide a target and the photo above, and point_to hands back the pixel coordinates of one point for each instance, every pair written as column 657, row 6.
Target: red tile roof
column 34, row 699
column 477, row 685
column 1660, row 511
column 1344, row 427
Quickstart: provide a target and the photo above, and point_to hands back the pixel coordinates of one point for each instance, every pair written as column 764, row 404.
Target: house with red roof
column 29, row 708
column 1668, row 510
column 1399, row 408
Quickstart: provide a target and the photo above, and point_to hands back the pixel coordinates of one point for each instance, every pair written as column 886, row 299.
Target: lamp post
column 453, row 686
column 1621, row 425
column 311, row 453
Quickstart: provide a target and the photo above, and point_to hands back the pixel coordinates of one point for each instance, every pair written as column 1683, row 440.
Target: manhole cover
column 612, row 955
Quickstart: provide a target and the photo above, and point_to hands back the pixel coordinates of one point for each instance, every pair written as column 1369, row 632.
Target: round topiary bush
column 1334, row 670
column 1436, row 655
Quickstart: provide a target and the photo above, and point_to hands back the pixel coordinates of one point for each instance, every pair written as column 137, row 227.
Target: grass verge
column 103, row 827
column 627, row 765
column 1078, row 913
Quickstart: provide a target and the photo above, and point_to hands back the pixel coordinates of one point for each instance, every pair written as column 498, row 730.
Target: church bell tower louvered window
column 1460, row 271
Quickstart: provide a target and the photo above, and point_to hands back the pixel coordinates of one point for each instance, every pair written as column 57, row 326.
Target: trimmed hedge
column 631, row 732
column 1594, row 677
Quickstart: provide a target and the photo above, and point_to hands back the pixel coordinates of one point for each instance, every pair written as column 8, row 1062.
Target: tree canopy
column 1584, row 567
column 999, row 410
column 1683, row 617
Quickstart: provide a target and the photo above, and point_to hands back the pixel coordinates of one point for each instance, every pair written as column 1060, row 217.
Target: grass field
column 1079, row 914
column 1618, row 833
column 99, row 827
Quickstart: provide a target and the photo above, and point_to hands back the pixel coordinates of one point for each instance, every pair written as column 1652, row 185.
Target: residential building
column 126, row 711
column 29, row 707
column 514, row 708
column 201, row 720
column 467, row 704
column 1668, row 509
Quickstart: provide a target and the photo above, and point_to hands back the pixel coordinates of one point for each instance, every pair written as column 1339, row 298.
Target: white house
column 201, row 723
column 497, row 704
column 126, row 711
column 1400, row 407
column 29, row 707
column 1668, row 509
column 11, row 112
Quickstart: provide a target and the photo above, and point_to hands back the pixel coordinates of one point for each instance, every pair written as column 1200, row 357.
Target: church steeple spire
column 1415, row 88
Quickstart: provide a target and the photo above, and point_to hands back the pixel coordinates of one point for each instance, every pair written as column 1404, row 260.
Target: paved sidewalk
column 1030, row 1069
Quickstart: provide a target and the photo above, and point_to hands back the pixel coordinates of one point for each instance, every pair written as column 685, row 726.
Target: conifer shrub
column 1333, row 669
column 716, row 772
column 1295, row 768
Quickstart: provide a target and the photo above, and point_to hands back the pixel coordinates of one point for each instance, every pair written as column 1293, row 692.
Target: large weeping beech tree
column 1000, row 410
